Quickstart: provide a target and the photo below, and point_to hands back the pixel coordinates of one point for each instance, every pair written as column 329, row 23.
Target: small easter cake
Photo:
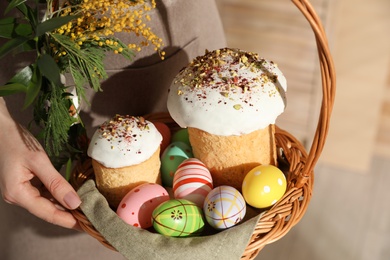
column 229, row 100
column 125, row 153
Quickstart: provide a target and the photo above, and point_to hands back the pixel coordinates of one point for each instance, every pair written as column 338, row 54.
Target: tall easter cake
column 229, row 100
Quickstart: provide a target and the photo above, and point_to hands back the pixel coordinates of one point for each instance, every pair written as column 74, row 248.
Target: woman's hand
column 28, row 179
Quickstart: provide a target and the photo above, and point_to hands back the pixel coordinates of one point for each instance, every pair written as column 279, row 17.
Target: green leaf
column 69, row 169
column 52, row 24
column 9, row 28
column 19, row 82
column 13, row 4
column 23, row 30
column 23, row 77
column 12, row 44
column 27, row 46
column 49, row 68
column 12, row 88
column 33, row 88
column 7, row 20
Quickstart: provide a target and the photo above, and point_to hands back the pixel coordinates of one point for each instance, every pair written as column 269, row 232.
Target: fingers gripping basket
column 278, row 220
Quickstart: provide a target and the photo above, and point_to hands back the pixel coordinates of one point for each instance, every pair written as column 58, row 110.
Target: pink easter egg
column 192, row 181
column 137, row 206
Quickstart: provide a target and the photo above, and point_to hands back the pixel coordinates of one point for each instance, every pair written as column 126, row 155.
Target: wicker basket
column 288, row 211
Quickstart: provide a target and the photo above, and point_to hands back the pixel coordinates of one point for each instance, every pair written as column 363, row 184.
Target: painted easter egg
column 171, row 158
column 137, row 206
column 178, row 218
column 263, row 186
column 165, row 133
column 224, row 207
column 181, row 136
column 192, row 181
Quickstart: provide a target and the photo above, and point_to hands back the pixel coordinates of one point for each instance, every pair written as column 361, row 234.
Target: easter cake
column 125, row 153
column 229, row 100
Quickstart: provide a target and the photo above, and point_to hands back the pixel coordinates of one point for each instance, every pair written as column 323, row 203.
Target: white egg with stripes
column 224, row 207
column 192, row 181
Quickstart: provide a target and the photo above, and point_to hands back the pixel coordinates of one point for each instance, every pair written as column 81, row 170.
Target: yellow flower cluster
column 99, row 20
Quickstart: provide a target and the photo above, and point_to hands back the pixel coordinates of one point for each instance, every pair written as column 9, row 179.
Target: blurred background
column 349, row 215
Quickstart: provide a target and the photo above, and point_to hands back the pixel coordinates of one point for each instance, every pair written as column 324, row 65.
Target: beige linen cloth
column 137, row 243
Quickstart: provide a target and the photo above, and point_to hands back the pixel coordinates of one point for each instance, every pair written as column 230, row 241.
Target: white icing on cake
column 124, row 141
column 227, row 92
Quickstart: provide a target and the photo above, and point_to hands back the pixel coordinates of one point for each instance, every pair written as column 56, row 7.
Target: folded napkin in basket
column 137, row 243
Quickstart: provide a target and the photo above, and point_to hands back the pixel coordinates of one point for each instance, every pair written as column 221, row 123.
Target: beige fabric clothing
column 136, row 88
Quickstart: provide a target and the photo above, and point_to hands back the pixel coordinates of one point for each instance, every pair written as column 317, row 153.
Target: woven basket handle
column 328, row 77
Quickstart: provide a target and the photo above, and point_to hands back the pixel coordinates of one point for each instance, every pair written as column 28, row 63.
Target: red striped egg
column 192, row 181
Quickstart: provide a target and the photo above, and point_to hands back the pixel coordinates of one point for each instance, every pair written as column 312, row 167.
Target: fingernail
column 72, row 200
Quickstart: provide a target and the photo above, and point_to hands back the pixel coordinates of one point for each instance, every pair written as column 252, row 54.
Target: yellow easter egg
column 263, row 186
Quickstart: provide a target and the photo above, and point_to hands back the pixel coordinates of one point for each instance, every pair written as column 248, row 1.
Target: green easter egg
column 171, row 158
column 181, row 136
column 178, row 218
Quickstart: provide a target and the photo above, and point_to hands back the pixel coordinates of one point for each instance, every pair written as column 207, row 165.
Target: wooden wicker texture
column 288, row 211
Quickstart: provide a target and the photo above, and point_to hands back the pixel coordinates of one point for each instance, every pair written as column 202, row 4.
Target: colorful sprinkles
column 121, row 127
column 229, row 71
